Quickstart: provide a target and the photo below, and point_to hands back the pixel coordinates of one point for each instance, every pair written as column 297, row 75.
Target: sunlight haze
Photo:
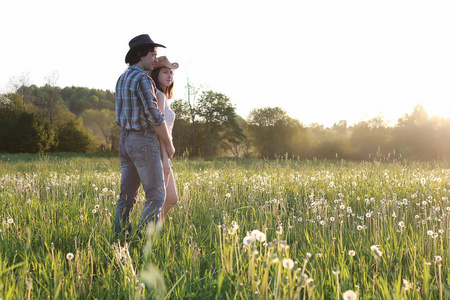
column 321, row 61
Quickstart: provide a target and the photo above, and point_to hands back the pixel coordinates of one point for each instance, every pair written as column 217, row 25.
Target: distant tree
column 416, row 135
column 192, row 92
column 220, row 126
column 371, row 139
column 26, row 132
column 103, row 121
column 73, row 137
column 19, row 84
column 272, row 132
column 182, row 129
column 241, row 146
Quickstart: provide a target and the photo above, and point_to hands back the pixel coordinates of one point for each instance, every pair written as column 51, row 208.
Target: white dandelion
column 288, row 263
column 349, row 295
column 248, row 240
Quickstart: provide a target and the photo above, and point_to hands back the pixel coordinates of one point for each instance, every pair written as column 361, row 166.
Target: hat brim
column 132, row 50
column 167, row 65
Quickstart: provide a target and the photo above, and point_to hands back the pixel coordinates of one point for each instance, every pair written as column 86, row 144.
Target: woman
column 162, row 75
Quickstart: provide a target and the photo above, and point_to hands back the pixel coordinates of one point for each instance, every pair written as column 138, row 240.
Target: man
column 142, row 123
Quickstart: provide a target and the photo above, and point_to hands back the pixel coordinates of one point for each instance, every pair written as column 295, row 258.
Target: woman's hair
column 168, row 91
column 138, row 53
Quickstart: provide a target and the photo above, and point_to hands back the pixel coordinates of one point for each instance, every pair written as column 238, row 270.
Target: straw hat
column 163, row 62
column 140, row 40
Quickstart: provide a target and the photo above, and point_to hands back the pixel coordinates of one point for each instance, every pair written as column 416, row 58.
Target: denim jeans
column 140, row 162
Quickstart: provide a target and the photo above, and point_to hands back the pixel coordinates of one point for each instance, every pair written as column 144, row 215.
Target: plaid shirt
column 136, row 106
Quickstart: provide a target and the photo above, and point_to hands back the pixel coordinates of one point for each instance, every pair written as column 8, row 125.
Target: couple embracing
column 146, row 146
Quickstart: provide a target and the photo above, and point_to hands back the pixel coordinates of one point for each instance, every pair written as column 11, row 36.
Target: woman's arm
column 164, row 156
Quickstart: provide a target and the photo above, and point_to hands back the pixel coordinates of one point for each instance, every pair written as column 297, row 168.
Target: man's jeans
column 140, row 161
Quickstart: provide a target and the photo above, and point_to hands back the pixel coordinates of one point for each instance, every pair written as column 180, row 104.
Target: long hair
column 168, row 91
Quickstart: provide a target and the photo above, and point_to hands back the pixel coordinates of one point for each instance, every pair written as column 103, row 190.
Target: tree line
column 75, row 119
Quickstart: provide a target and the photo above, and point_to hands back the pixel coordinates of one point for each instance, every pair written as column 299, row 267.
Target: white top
column 169, row 114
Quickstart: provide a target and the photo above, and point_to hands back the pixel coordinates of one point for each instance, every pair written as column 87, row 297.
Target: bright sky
column 321, row 60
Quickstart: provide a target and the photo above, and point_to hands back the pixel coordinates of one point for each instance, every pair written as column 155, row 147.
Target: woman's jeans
column 140, row 161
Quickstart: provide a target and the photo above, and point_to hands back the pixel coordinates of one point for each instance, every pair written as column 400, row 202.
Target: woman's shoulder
column 159, row 92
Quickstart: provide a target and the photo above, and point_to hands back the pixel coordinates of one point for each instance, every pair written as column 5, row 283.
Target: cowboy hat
column 140, row 40
column 163, row 62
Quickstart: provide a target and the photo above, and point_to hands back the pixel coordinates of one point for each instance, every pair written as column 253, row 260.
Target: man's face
column 148, row 62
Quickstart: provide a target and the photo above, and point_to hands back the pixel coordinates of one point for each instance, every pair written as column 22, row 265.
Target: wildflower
column 69, row 256
column 349, row 295
column 284, row 245
column 10, row 221
column 96, row 206
column 359, row 227
column 438, row 258
column 94, row 211
column 228, row 195
column 248, row 240
column 258, row 235
column 430, row 232
column 29, row 201
column 318, row 255
column 352, row 253
column 288, row 263
column 406, row 284
column 279, row 230
column 376, row 251
column 234, row 227
column 332, row 219
column 401, row 224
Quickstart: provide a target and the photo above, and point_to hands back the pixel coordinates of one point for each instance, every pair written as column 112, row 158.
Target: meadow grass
column 243, row 229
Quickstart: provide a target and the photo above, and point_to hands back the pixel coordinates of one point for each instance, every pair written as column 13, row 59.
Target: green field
column 243, row 229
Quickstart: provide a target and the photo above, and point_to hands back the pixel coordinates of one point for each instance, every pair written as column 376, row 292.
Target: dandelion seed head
column 69, row 256
column 248, row 240
column 352, row 253
column 349, row 295
column 288, row 263
column 405, row 284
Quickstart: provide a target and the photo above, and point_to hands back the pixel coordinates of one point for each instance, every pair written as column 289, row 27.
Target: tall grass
column 243, row 229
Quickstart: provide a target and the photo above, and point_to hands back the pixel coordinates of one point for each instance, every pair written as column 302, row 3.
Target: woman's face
column 165, row 77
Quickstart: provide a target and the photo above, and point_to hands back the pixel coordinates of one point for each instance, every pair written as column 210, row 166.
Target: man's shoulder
column 134, row 72
column 133, row 76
